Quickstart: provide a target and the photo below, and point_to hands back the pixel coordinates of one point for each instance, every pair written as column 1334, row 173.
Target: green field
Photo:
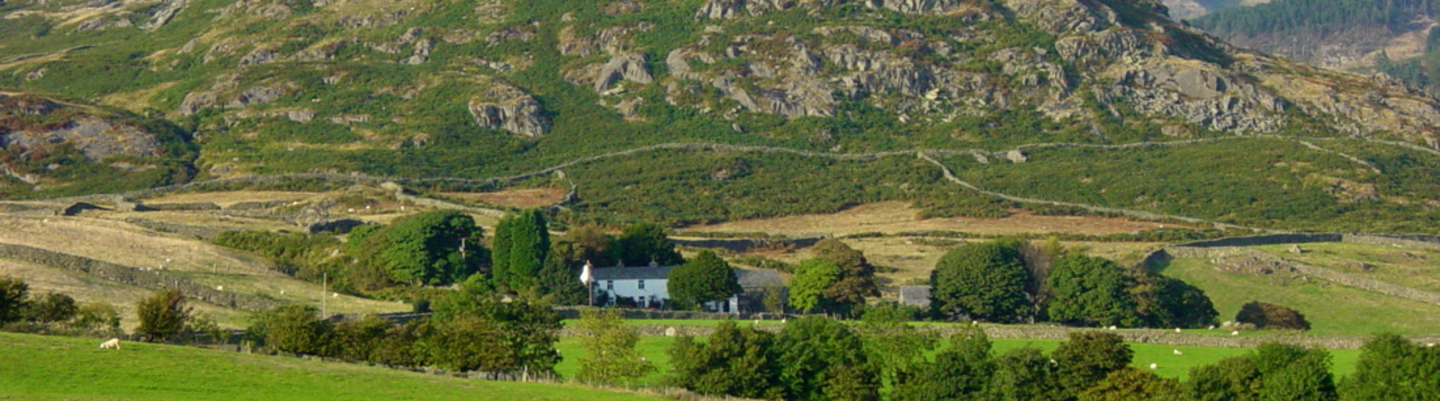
column 63, row 368
column 1411, row 267
column 1332, row 309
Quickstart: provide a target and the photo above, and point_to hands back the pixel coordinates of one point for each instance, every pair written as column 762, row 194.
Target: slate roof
column 632, row 273
column 758, row 278
column 917, row 295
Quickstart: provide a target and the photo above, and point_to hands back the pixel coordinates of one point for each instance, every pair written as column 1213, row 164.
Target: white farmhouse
column 644, row 286
column 647, row 287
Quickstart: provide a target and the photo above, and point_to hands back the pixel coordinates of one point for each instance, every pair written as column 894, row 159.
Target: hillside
column 54, row 368
column 804, row 107
column 1331, row 33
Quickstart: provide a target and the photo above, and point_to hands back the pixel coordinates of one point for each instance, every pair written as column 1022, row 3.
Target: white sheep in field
column 1177, row 330
column 1154, row 366
column 1235, row 333
column 1177, row 352
column 113, row 343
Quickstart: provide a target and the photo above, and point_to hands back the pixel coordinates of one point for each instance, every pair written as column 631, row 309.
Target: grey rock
column 628, row 66
column 93, row 137
column 194, row 102
column 508, row 108
column 256, row 95
column 260, row 55
column 300, row 116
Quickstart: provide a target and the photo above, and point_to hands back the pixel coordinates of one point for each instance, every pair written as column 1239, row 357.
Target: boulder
column 508, row 108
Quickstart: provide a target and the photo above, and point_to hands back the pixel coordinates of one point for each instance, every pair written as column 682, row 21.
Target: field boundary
column 151, row 279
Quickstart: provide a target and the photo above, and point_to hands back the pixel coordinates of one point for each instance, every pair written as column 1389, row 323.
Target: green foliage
column 480, row 331
column 13, row 299
column 293, row 328
column 892, row 345
column 1026, row 374
column 562, row 282
column 812, row 277
column 733, row 361
column 360, row 340
column 1130, row 384
column 707, row 278
column 431, row 248
column 1090, row 291
column 962, row 372
column 97, row 317
column 821, row 359
column 162, row 315
column 1393, row 368
column 643, row 243
column 1090, row 357
column 856, row 280
column 610, row 349
column 985, row 281
column 53, row 307
column 1266, row 315
column 1167, row 302
column 1272, row 372
column 521, row 245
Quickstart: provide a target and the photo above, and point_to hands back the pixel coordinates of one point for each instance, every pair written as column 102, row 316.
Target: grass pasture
column 1411, row 267
column 1332, row 309
column 64, row 368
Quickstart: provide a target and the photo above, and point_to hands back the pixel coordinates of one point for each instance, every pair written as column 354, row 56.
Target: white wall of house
column 654, row 289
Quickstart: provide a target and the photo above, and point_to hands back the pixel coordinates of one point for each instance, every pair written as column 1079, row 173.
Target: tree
column 1130, row 384
column 892, row 345
column 984, row 281
column 562, row 282
column 1393, row 368
column 1272, row 372
column 359, row 340
column 13, row 299
column 1265, row 315
column 610, row 356
column 856, row 280
column 521, row 244
column 53, row 308
column 962, row 372
column 641, row 244
column 812, row 277
column 431, row 248
column 97, row 317
column 162, row 315
column 588, row 243
column 1230, row 379
column 707, row 278
column 1089, row 357
column 1090, row 291
column 294, row 328
column 734, row 361
column 821, row 359
column 477, row 330
column 1025, row 374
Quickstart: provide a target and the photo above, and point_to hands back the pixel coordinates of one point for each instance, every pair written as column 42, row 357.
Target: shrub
column 295, row 329
column 97, row 317
column 13, row 293
column 610, row 356
column 53, row 308
column 162, row 315
column 734, row 361
column 1264, row 315
column 984, row 281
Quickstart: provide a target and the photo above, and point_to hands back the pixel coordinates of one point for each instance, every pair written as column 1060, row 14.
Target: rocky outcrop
column 1200, row 93
column 629, row 66
column 917, row 6
column 506, row 107
column 93, row 137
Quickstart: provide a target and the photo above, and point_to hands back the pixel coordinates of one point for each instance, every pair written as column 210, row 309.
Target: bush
column 98, row 317
column 162, row 316
column 295, row 329
column 13, row 293
column 734, row 361
column 1264, row 315
column 53, row 308
column 984, row 281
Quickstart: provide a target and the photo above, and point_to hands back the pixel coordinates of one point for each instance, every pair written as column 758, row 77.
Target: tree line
column 1014, row 281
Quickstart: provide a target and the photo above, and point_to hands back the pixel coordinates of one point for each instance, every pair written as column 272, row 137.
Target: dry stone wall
column 154, row 280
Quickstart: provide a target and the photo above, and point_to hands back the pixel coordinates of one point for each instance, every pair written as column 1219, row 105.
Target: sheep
column 1177, row 330
column 1235, row 332
column 1177, row 352
column 1212, row 327
column 1110, row 328
column 113, row 343
column 1154, row 366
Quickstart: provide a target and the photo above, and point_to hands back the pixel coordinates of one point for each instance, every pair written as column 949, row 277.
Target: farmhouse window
column 610, row 284
column 642, row 284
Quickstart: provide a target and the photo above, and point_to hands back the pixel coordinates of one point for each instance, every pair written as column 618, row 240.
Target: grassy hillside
column 60, row 368
column 1332, row 309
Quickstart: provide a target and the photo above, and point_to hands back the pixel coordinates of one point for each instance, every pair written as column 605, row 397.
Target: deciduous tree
column 643, row 243
column 733, row 361
column 812, row 277
column 610, row 356
column 521, row 244
column 985, row 281
column 162, row 315
column 1090, row 291
column 704, row 279
column 1088, row 357
column 14, row 294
